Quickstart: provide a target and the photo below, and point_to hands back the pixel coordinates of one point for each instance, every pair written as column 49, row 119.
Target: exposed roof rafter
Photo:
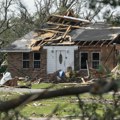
column 105, row 41
column 84, row 43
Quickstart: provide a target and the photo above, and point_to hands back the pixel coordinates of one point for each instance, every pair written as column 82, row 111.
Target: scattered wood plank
column 36, row 48
column 71, row 18
column 68, row 29
column 53, row 31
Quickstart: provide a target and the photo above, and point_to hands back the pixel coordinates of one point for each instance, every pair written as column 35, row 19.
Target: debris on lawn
column 36, row 104
column 7, row 80
column 59, row 76
column 116, row 71
column 6, row 77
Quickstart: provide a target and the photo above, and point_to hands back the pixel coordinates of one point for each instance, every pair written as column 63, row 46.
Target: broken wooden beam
column 48, row 30
column 72, row 26
column 71, row 18
column 68, row 29
column 103, row 43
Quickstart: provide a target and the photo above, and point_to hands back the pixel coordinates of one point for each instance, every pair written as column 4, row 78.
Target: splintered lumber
column 68, row 29
column 39, row 46
column 76, row 19
column 35, row 45
column 71, row 18
column 66, row 43
column 60, row 29
column 55, row 39
column 36, row 48
column 83, row 81
column 43, row 43
column 60, row 38
column 117, row 68
column 53, row 31
column 72, row 26
column 33, row 41
column 47, row 35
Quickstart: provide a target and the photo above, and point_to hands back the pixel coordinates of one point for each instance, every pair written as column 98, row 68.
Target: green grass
column 52, row 85
column 45, row 107
column 42, row 85
column 4, row 96
column 66, row 105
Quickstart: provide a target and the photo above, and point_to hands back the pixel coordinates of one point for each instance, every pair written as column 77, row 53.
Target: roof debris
column 66, row 30
column 56, row 31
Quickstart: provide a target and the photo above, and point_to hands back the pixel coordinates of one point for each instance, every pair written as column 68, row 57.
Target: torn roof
column 63, row 30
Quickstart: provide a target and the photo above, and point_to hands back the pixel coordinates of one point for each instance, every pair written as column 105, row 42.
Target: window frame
column 80, row 59
column 95, row 60
column 36, row 60
column 25, row 60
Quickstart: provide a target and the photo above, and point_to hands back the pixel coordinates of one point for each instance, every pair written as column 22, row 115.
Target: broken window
column 25, row 60
column 36, row 60
column 95, row 60
column 84, row 59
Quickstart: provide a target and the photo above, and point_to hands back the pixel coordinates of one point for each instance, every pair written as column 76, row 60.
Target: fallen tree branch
column 47, row 94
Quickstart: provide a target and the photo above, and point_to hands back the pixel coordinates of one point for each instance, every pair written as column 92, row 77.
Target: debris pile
column 116, row 72
column 7, row 80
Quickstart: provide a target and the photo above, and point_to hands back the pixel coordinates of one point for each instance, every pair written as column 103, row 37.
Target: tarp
column 6, row 77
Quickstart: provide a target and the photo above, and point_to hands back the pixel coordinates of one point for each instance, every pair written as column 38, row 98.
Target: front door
column 60, row 61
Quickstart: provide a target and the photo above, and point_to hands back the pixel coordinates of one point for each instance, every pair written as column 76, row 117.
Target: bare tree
column 43, row 10
column 5, row 14
column 24, row 14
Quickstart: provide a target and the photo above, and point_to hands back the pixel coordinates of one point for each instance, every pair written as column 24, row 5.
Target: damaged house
column 64, row 41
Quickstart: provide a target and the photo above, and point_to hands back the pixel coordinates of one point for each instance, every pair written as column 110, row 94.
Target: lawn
column 61, row 106
column 53, row 86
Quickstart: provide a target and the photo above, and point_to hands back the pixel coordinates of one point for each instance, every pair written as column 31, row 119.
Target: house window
column 36, row 60
column 84, row 59
column 25, row 60
column 95, row 60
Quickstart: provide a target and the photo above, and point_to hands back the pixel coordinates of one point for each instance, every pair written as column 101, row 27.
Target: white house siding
column 52, row 57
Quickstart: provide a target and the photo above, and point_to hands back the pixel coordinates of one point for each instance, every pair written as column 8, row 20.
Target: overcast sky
column 29, row 4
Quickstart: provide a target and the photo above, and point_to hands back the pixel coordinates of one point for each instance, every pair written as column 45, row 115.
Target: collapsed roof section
column 56, row 31
column 66, row 30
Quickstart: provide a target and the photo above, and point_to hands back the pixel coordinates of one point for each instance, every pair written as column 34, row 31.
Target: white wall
column 51, row 56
